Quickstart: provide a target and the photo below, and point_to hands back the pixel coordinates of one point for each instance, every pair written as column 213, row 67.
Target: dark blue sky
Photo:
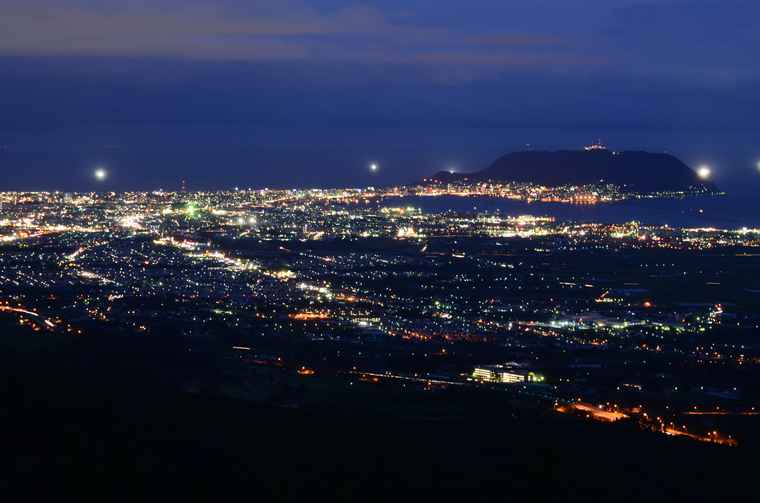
column 290, row 92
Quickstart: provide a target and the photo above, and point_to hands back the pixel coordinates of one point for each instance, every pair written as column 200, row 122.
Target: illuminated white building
column 505, row 374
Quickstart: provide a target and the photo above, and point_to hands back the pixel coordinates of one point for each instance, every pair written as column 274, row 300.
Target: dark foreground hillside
column 107, row 426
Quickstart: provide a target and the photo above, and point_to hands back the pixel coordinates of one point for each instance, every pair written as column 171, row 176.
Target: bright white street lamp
column 704, row 172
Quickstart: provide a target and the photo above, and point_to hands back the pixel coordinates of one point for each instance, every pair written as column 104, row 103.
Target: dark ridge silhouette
column 103, row 417
column 635, row 171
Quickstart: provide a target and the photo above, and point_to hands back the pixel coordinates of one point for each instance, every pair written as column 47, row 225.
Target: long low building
column 505, row 374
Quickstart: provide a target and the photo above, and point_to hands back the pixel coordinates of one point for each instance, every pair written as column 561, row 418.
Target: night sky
column 309, row 93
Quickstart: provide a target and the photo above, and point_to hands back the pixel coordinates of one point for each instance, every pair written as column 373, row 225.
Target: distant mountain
column 634, row 170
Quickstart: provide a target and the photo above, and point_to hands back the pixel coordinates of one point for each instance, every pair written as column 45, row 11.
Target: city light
column 186, row 254
column 207, row 285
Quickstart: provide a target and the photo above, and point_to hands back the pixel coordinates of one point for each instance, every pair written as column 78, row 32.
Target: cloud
column 513, row 40
column 261, row 30
column 697, row 42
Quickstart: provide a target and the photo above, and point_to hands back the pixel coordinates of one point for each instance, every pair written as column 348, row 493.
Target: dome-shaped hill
column 634, row 170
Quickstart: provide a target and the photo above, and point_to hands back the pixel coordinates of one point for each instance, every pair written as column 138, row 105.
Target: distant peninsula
column 631, row 171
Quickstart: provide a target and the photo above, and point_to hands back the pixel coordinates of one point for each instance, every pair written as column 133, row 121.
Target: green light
column 533, row 377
